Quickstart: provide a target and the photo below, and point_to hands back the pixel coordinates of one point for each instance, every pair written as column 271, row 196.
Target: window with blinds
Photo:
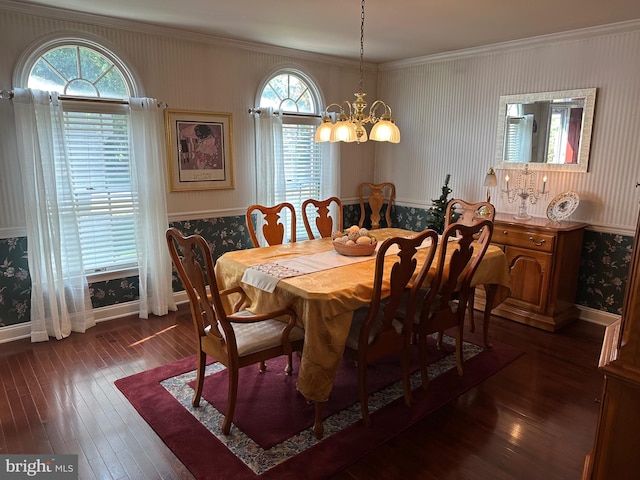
column 294, row 95
column 518, row 139
column 513, row 139
column 97, row 143
column 302, row 167
column 98, row 151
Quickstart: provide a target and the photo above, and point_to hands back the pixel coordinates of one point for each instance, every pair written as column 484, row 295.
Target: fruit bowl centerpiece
column 354, row 242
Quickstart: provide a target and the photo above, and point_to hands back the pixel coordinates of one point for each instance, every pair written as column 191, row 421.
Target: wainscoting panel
column 602, row 277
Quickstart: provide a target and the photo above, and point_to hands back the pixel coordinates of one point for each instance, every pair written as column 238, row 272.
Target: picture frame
column 199, row 150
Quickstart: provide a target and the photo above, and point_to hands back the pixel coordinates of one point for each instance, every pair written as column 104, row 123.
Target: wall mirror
column 547, row 130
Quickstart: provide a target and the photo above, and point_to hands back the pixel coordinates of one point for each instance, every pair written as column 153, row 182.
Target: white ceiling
column 394, row 29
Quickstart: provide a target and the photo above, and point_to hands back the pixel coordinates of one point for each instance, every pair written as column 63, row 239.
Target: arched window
column 96, row 135
column 308, row 168
column 289, row 92
column 80, row 71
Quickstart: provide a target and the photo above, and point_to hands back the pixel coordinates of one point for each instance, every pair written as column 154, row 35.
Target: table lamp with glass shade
column 490, row 181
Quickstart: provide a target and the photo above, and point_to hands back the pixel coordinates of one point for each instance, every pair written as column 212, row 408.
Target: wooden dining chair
column 273, row 225
column 442, row 305
column 237, row 339
column 325, row 225
column 376, row 195
column 376, row 330
column 467, row 213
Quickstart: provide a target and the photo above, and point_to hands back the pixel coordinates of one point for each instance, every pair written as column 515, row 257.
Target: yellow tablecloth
column 325, row 301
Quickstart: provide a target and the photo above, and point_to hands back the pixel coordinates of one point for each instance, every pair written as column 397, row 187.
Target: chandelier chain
column 361, row 43
column 351, row 117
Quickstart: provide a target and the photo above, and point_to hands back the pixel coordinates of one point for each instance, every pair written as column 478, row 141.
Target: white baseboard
column 104, row 314
column 12, row 333
column 15, row 332
column 599, row 317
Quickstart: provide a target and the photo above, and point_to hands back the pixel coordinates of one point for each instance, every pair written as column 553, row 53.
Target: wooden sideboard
column 617, row 440
column 544, row 258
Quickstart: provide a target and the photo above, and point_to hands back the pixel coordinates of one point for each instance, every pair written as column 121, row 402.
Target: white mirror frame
column 589, row 95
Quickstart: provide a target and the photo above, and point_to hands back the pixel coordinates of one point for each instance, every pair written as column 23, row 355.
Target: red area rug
column 271, row 437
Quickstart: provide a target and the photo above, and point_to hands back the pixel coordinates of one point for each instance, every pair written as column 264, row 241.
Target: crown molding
column 531, row 42
column 147, row 28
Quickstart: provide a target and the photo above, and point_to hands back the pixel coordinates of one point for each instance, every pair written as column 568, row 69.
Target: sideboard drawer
column 524, row 239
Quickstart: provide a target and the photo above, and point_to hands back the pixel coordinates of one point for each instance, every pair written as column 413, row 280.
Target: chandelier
column 351, row 117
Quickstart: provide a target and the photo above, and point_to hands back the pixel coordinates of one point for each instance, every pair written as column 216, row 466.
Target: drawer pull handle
column 537, row 244
column 506, row 232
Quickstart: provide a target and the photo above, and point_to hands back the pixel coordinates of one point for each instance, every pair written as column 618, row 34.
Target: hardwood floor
column 535, row 419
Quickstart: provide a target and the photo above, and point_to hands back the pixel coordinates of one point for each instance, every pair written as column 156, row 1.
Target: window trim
column 313, row 88
column 48, row 42
column 295, row 118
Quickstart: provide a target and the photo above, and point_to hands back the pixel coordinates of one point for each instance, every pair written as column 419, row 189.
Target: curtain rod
column 257, row 111
column 8, row 95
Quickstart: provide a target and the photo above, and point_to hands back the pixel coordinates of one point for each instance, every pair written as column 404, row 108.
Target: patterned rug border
column 260, row 460
column 208, row 457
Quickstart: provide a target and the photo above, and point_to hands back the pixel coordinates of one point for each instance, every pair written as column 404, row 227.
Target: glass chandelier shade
column 490, row 181
column 351, row 117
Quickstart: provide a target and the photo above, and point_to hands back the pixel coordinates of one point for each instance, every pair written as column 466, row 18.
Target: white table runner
column 266, row 276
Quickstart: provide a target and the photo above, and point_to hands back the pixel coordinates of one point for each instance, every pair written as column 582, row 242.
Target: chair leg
column 231, row 400
column 202, row 357
column 406, row 360
column 490, row 293
column 459, row 358
column 263, row 367
column 424, row 366
column 362, row 388
column 318, row 427
column 289, row 367
column 472, row 296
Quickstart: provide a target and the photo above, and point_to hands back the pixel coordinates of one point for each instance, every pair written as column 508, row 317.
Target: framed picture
column 200, row 155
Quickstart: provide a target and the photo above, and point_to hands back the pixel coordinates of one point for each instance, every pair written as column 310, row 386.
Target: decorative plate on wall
column 562, row 206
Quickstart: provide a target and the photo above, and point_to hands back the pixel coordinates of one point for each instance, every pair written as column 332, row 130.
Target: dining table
column 325, row 288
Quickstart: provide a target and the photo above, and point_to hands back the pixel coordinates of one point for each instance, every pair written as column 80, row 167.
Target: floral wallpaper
column 15, row 283
column 351, row 215
column 224, row 234
column 602, row 276
column 114, row 291
column 411, row 218
column 603, row 271
column 604, row 263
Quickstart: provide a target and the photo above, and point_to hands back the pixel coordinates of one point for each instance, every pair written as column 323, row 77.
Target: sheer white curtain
column 148, row 179
column 60, row 301
column 330, row 185
column 269, row 161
